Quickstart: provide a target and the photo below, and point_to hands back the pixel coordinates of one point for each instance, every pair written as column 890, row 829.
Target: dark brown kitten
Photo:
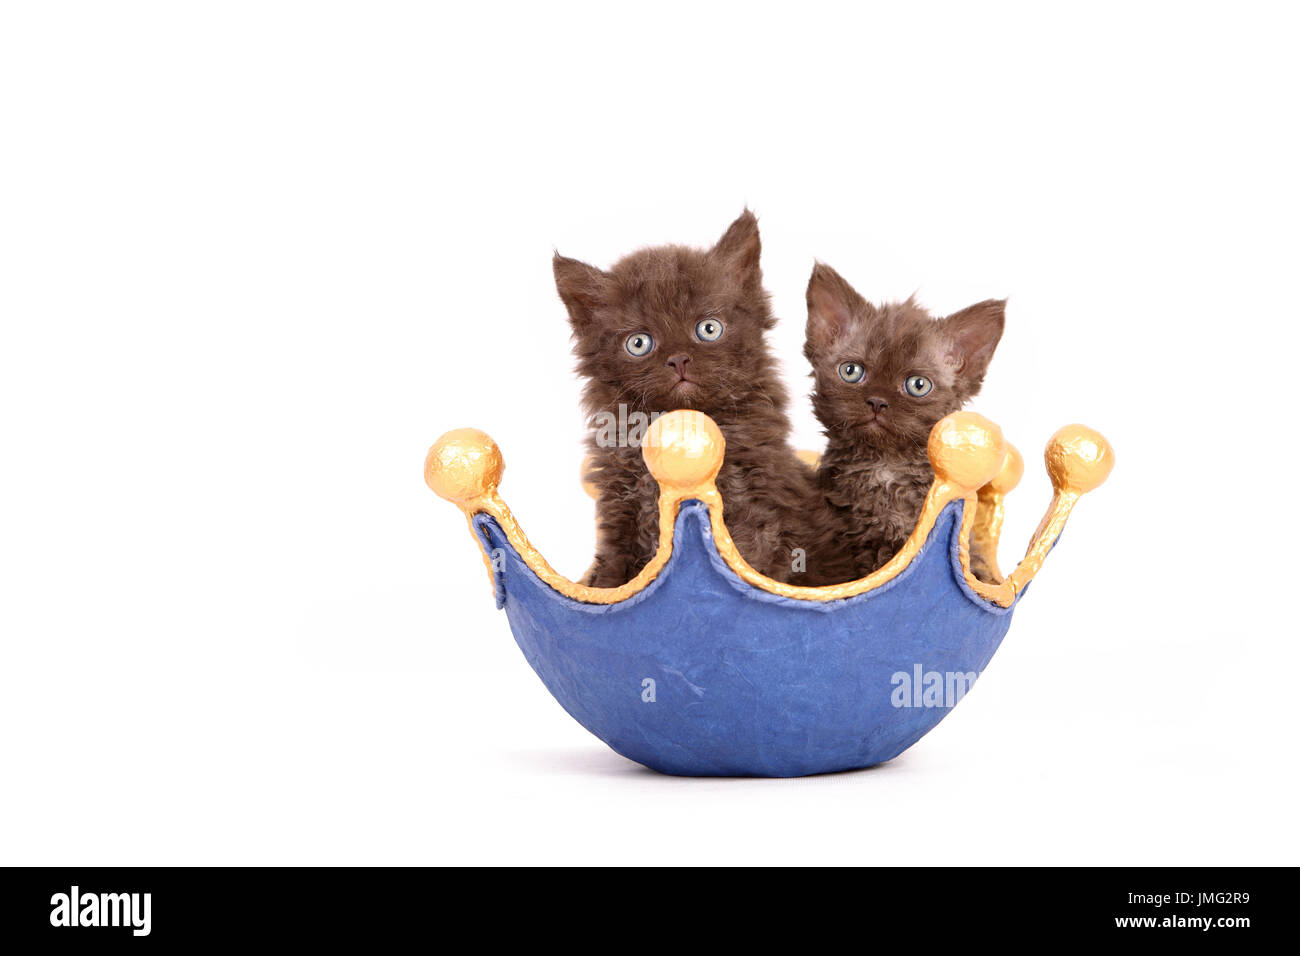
column 673, row 327
column 884, row 376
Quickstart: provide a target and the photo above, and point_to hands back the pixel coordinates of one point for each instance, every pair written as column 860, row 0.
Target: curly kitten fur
column 640, row 342
column 884, row 376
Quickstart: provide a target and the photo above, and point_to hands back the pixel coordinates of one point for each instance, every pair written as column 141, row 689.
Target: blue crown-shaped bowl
column 702, row 666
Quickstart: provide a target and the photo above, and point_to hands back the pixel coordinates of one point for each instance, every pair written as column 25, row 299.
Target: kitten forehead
column 893, row 335
column 669, row 273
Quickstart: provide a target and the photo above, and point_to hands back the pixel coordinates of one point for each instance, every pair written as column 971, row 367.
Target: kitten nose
column 678, row 363
column 878, row 405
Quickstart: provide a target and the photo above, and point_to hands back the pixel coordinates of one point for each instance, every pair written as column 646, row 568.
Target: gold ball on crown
column 683, row 449
column 463, row 465
column 1078, row 459
column 1009, row 475
column 966, row 450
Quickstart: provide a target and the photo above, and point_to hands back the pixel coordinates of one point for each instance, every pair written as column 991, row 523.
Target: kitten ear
column 973, row 334
column 583, row 288
column 739, row 249
column 832, row 303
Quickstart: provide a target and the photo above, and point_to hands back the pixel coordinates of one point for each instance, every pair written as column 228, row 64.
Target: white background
column 255, row 258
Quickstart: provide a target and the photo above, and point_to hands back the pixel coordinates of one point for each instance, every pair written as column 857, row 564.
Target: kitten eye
column 639, row 343
column 708, row 330
column 852, row 372
column 918, row 385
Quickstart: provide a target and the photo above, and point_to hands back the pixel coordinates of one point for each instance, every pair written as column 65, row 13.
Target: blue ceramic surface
column 701, row 674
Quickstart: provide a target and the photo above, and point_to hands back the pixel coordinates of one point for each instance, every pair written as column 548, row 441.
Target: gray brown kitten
column 674, row 327
column 885, row 375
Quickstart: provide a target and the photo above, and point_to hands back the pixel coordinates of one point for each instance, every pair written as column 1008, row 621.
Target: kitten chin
column 884, row 376
column 674, row 327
